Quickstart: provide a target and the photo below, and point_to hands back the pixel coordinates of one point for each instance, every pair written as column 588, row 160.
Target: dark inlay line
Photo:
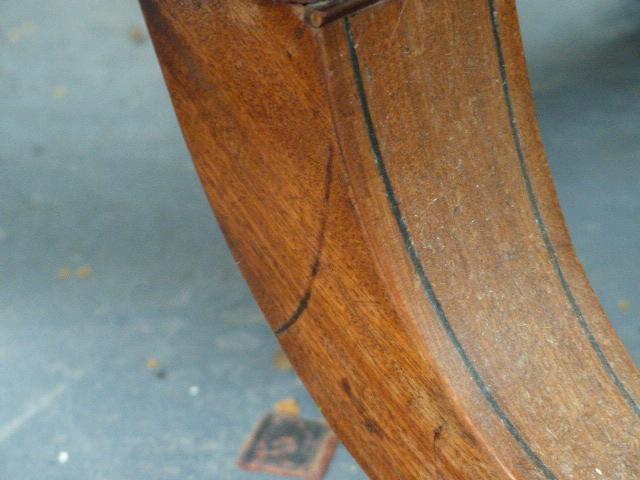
column 415, row 259
column 302, row 306
column 541, row 223
column 304, row 301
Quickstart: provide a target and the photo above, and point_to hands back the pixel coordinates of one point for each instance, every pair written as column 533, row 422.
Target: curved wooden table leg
column 381, row 181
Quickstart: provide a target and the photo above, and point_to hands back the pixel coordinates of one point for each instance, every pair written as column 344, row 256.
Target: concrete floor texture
column 130, row 346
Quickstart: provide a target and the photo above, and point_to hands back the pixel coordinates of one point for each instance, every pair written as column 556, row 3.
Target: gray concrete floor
column 110, row 258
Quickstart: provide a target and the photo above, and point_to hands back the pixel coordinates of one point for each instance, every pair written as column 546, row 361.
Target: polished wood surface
column 379, row 176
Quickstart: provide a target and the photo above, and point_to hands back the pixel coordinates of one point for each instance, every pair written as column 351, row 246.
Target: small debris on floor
column 84, row 271
column 281, row 362
column 154, row 364
column 23, row 31
column 63, row 457
column 194, row 390
column 289, row 445
column 624, row 305
column 60, row 91
column 65, row 273
column 137, row 35
column 288, row 406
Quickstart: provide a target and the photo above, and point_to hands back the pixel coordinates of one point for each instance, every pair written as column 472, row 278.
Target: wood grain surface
column 379, row 176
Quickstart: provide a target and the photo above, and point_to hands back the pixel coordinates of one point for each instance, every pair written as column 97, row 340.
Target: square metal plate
column 289, row 445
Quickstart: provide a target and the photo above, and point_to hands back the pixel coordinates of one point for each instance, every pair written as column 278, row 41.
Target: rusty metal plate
column 289, row 445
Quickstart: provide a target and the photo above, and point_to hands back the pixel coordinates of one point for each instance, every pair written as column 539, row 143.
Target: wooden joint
column 318, row 14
